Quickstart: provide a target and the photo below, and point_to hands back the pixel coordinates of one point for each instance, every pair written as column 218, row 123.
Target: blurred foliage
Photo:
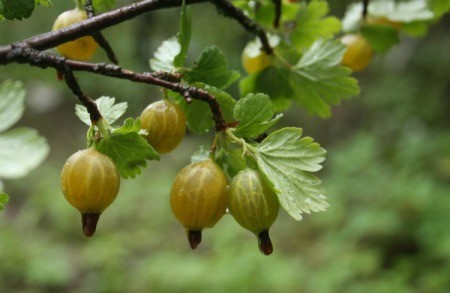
column 387, row 174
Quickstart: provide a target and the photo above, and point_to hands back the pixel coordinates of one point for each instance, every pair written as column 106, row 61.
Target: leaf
column 46, row 3
column 439, row 7
column 184, row 36
column 17, row 9
column 4, row 198
column 286, row 161
column 12, row 97
column 165, row 54
column 273, row 82
column 319, row 81
column 254, row 114
column 404, row 12
column 21, row 150
column 380, row 37
column 128, row 149
column 202, row 154
column 107, row 107
column 312, row 24
column 103, row 5
column 212, row 68
column 198, row 113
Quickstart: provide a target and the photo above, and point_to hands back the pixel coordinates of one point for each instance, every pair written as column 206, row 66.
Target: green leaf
column 404, row 12
column 129, row 125
column 103, row 5
column 107, row 107
column 4, row 198
column 212, row 68
column 12, row 97
column 232, row 160
column 287, row 160
column 272, row 81
column 128, row 149
column 184, row 36
column 380, row 37
column 439, row 7
column 198, row 113
column 21, row 150
column 226, row 102
column 254, row 114
column 319, row 81
column 202, row 154
column 17, row 9
column 312, row 24
column 165, row 54
column 46, row 3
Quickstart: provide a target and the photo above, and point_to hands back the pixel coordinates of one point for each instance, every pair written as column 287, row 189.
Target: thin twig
column 232, row 11
column 276, row 21
column 365, row 9
column 99, row 37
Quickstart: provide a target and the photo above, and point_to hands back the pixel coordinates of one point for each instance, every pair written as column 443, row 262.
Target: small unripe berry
column 90, row 182
column 166, row 125
column 198, row 198
column 253, row 205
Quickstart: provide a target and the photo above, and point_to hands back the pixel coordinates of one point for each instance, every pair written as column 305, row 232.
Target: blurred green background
column 387, row 175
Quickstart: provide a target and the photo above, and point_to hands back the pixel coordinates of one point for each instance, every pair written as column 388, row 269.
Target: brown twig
column 276, row 21
column 99, row 37
column 23, row 54
column 232, row 11
column 365, row 9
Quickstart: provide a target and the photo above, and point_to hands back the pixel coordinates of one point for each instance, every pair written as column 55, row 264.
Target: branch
column 276, row 21
column 229, row 9
column 99, row 37
column 27, row 55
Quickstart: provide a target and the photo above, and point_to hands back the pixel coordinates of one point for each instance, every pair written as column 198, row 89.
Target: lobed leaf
column 318, row 81
column 12, row 97
column 212, row 68
column 311, row 24
column 286, row 161
column 107, row 107
column 165, row 55
column 254, row 114
column 16, row 9
column 21, row 150
column 128, row 149
column 184, row 36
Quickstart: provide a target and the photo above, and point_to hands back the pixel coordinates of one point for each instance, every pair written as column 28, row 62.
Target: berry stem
column 264, row 243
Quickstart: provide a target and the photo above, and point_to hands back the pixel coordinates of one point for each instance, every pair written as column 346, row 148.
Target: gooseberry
column 358, row 54
column 90, row 182
column 255, row 61
column 80, row 49
column 253, row 205
column 198, row 198
column 165, row 123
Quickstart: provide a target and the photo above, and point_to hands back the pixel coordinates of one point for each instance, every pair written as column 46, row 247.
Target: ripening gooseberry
column 165, row 123
column 90, row 182
column 80, row 49
column 253, row 63
column 198, row 198
column 358, row 54
column 253, row 205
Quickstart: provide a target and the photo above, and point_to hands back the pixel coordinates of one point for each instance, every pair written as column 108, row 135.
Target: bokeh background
column 387, row 175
